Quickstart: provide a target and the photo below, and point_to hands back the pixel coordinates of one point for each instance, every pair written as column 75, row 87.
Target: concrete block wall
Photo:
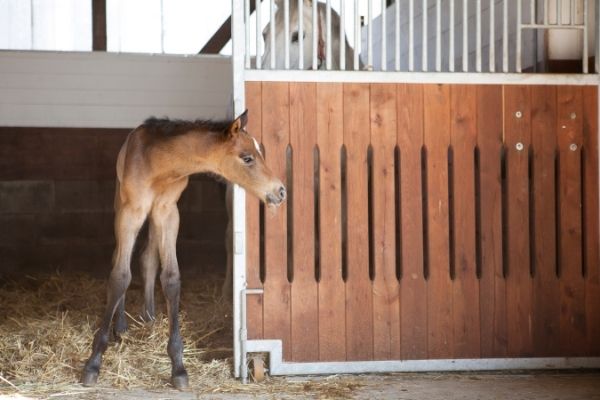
column 56, row 204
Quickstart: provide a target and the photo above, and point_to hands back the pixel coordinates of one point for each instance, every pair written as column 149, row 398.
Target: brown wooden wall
column 427, row 221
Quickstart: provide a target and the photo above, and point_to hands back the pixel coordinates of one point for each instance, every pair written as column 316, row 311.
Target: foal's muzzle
column 277, row 197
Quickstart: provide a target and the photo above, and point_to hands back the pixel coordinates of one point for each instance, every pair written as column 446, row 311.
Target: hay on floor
column 47, row 325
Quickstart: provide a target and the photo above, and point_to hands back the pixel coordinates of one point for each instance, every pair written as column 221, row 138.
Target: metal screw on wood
column 573, row 115
column 573, row 147
column 518, row 114
column 519, row 146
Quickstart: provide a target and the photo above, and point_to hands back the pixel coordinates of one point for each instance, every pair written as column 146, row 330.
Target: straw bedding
column 47, row 325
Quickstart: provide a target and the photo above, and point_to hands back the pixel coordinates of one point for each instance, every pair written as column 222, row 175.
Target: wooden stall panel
column 439, row 285
column 546, row 303
column 330, row 137
column 277, row 307
column 359, row 301
column 590, row 219
column 572, row 285
column 492, row 286
column 254, row 302
column 413, row 287
column 305, row 317
column 465, row 297
column 386, row 299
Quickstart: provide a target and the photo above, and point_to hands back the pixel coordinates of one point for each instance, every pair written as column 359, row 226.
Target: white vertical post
column 286, row 33
column 316, row 32
column 259, row 39
column 342, row 36
column 505, row 35
column 239, row 196
column 532, row 12
column 397, row 37
column 585, row 36
column 438, row 36
column 272, row 35
column 356, row 35
column 545, row 12
column 301, row 34
column 411, row 35
column 465, row 45
column 247, row 32
column 424, row 38
column 478, row 36
column 328, row 40
column 492, row 54
column 383, row 36
column 518, row 50
column 452, row 29
column 559, row 20
column 370, row 34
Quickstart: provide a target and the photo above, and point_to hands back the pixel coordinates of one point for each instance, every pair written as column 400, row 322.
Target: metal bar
column 272, row 36
column 438, row 36
column 370, row 34
column 492, row 55
column 328, row 40
column 424, row 39
column 342, row 36
column 545, row 12
column 505, row 36
column 239, row 196
column 479, row 78
column 244, row 330
column 259, row 39
column 383, row 36
column 585, row 36
column 518, row 47
column 478, row 35
column 571, row 13
column 315, row 34
column 397, row 33
column 357, row 43
column 559, row 7
column 452, row 28
column 465, row 46
column 597, row 40
column 411, row 35
column 247, row 32
column 300, row 34
column 532, row 11
column 286, row 33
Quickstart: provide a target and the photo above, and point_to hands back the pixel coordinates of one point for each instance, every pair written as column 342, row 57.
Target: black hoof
column 89, row 378
column 181, row 381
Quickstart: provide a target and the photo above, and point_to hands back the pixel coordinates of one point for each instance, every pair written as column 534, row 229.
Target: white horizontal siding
column 110, row 90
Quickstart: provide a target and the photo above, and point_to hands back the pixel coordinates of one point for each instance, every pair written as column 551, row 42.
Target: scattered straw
column 47, row 325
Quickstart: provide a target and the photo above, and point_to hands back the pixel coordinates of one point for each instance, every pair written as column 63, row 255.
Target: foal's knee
column 171, row 283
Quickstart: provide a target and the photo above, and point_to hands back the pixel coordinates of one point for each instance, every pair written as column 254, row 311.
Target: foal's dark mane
column 173, row 127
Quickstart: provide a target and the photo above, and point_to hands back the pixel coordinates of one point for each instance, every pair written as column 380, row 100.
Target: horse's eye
column 247, row 159
column 295, row 36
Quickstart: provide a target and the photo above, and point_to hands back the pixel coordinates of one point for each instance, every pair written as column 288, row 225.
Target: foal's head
column 243, row 163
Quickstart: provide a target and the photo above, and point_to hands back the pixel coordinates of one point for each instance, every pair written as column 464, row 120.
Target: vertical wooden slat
column 572, row 286
column 359, row 320
column 439, row 286
column 99, row 25
column 413, row 289
column 465, row 284
column 517, row 123
column 275, row 127
column 492, row 289
column 546, row 304
column 386, row 304
column 330, row 137
column 592, row 244
column 305, row 317
column 254, row 303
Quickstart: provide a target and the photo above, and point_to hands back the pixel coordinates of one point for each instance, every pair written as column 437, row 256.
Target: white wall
column 58, row 89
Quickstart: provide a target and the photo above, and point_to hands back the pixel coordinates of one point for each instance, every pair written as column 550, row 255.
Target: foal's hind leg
column 166, row 218
column 127, row 224
column 149, row 264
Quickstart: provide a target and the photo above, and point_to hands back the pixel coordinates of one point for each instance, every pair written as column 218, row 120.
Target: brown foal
column 153, row 168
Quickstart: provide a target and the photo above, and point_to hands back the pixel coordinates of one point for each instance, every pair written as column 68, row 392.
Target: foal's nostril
column 282, row 193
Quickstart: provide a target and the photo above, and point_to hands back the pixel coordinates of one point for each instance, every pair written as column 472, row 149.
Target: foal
column 153, row 168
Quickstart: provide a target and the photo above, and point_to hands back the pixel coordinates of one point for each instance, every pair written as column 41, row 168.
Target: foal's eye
column 247, row 159
column 295, row 36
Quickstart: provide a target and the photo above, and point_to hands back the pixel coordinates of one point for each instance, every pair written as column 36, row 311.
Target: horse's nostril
column 282, row 193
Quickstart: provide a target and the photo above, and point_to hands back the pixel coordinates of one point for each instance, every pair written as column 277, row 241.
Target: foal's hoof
column 181, row 381
column 89, row 378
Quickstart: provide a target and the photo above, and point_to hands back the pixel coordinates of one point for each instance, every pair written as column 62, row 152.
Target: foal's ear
column 239, row 124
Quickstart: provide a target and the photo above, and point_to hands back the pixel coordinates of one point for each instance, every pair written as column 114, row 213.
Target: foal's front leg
column 128, row 221
column 166, row 218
